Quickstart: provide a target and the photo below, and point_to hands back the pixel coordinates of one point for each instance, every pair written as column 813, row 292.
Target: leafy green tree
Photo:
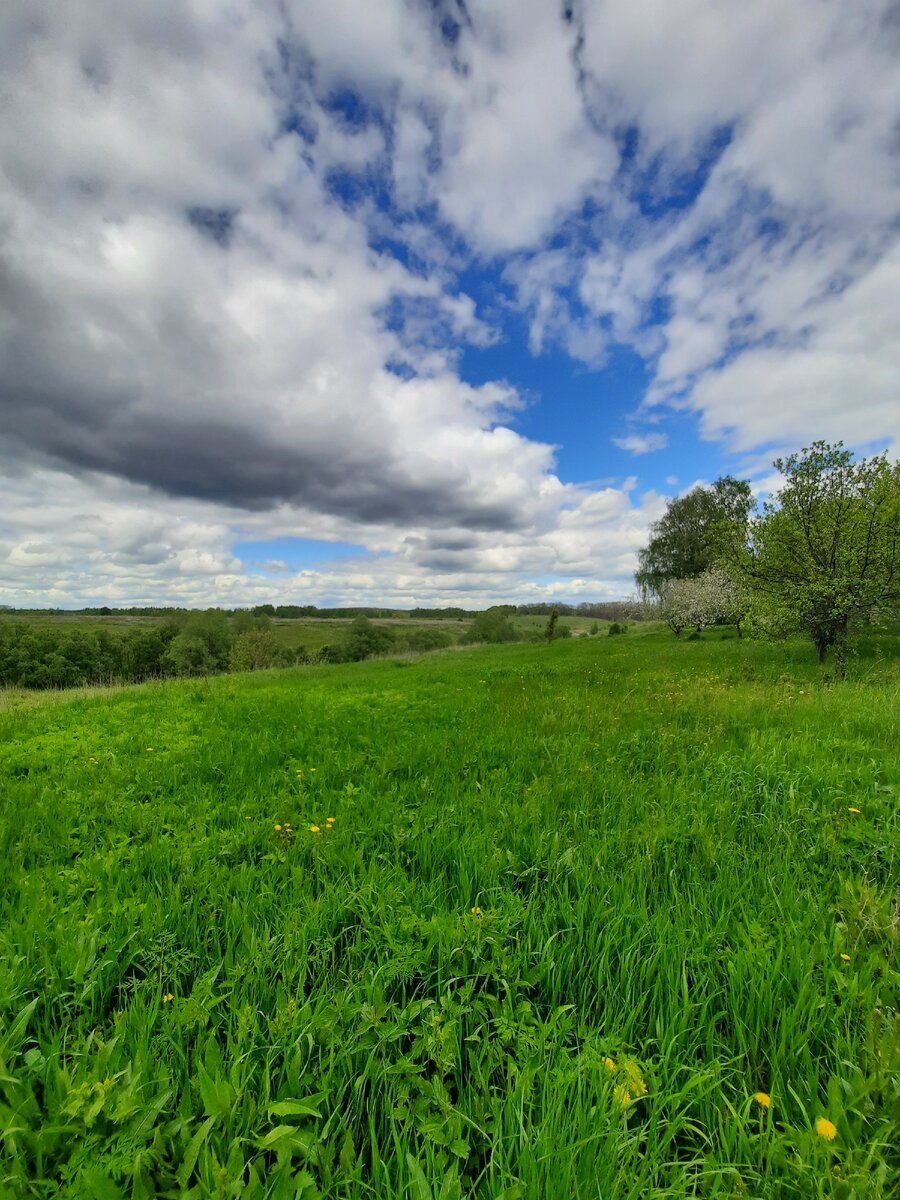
column 826, row 548
column 254, row 650
column 689, row 536
column 365, row 639
column 493, row 625
column 550, row 627
column 201, row 646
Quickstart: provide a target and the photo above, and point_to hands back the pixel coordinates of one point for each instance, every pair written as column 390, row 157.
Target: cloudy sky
column 426, row 301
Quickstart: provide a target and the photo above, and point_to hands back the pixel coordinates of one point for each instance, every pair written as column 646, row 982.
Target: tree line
column 820, row 555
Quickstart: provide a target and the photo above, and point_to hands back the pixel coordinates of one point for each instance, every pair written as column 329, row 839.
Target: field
column 311, row 633
column 534, row 921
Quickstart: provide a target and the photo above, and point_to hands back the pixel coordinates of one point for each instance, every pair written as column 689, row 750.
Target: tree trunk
column 840, row 651
column 821, row 647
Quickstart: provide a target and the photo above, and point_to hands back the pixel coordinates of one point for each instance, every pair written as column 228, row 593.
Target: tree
column 688, row 537
column 493, row 625
column 826, row 548
column 364, row 639
column 254, row 649
column 711, row 598
column 550, row 627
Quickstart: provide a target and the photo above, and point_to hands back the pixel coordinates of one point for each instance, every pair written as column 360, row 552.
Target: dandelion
column 312, row 768
column 826, row 1129
column 853, row 810
column 149, row 749
column 168, row 998
column 314, row 829
column 475, row 911
column 278, row 829
column 329, row 820
column 763, row 1099
column 845, row 958
column 636, row 1085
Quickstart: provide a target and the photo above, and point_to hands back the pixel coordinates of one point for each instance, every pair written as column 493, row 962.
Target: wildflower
column 92, row 759
column 826, row 1129
column 329, row 820
column 149, row 749
column 278, row 829
column 763, row 1099
column 853, row 810
column 312, row 768
column 609, row 1064
column 636, row 1085
column 168, row 998
column 622, row 1095
column 845, row 958
column 314, row 829
column 475, row 911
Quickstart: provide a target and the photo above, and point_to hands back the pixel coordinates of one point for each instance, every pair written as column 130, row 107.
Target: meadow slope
column 530, row 922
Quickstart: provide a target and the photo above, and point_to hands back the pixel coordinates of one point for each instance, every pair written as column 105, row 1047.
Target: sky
column 426, row 302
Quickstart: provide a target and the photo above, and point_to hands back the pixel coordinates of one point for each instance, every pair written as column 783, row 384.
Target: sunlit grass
column 530, row 922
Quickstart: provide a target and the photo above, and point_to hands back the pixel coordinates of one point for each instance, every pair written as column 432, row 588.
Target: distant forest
column 607, row 610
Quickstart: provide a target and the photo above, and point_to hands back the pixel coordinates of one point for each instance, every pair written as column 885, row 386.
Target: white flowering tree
column 711, row 598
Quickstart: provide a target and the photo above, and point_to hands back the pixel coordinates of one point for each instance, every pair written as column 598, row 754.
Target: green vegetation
column 523, row 921
column 821, row 556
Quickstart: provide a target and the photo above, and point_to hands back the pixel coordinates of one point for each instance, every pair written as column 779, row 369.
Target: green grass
column 657, row 837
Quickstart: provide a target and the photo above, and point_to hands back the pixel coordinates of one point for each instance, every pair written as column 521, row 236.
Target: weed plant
column 611, row 918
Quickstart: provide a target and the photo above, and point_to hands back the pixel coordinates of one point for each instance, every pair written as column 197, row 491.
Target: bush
column 364, row 639
column 616, row 628
column 254, row 650
column 422, row 640
column 491, row 626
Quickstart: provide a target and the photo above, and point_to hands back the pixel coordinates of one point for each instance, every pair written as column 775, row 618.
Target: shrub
column 254, row 650
column 616, row 628
column 492, row 626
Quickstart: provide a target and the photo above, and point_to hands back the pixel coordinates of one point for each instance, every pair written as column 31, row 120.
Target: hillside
column 535, row 921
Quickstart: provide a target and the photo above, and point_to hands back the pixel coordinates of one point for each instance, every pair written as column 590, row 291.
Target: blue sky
column 427, row 302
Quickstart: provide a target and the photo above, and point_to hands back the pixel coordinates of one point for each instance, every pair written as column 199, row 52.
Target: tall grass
column 577, row 904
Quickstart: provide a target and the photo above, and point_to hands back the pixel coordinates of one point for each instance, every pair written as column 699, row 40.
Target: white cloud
column 206, row 335
column 642, row 443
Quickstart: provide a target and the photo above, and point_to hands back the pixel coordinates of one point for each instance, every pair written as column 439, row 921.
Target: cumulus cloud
column 239, row 254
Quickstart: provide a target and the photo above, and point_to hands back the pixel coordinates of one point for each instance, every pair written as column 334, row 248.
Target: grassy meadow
column 533, row 922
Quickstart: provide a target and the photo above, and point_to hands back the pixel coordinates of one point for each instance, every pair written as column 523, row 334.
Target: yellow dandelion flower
column 314, row 829
column 854, row 810
column 826, row 1129
column 475, row 910
column 622, row 1095
column 763, row 1099
column 312, row 768
column 609, row 1064
column 149, row 749
column 278, row 829
column 168, row 998
column 845, row 958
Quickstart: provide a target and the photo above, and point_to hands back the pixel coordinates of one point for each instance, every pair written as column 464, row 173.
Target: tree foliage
column 826, row 548
column 687, row 539
column 711, row 598
column 493, row 626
